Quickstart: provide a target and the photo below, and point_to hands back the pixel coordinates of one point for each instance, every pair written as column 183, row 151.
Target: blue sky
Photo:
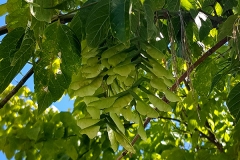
column 63, row 105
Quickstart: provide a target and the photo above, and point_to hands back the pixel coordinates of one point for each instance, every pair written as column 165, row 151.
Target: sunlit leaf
column 145, row 109
column 159, row 104
column 118, row 122
column 91, row 131
column 86, row 122
column 141, row 130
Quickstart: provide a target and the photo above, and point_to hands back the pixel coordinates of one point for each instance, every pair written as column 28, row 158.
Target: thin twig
column 174, row 87
column 15, row 90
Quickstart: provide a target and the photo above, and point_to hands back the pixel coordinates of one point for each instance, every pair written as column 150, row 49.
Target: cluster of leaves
column 122, row 62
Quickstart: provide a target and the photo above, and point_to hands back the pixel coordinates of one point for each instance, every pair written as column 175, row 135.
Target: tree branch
column 199, row 61
column 174, row 87
column 15, row 90
column 161, row 14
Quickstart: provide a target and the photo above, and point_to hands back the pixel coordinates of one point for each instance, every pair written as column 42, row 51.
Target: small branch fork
column 174, row 87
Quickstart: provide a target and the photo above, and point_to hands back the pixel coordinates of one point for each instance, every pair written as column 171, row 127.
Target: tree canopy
column 150, row 79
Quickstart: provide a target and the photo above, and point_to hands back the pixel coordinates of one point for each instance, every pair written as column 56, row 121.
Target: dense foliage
column 163, row 74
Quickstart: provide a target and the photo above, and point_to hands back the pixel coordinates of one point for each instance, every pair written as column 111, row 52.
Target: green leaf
column 124, row 70
column 149, row 16
column 103, row 103
column 91, row 131
column 39, row 12
column 158, row 84
column 86, row 122
column 118, row 122
column 33, row 132
column 117, row 58
column 159, row 104
column 77, row 26
column 69, row 48
column 172, row 5
column 89, row 90
column 130, row 115
column 159, row 70
column 154, row 52
column 61, row 48
column 119, row 19
column 215, row 80
column 71, row 151
column 171, row 96
column 124, row 142
column 205, row 28
column 145, row 109
column 3, row 9
column 123, row 101
column 94, row 112
column 9, row 46
column 226, row 29
column 202, row 84
column 233, row 101
column 97, row 26
column 113, row 141
column 113, row 50
column 141, row 130
column 187, row 5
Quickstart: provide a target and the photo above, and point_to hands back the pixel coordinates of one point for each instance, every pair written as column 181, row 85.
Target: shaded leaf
column 233, row 102
column 97, row 26
column 119, row 19
column 39, row 10
column 9, row 46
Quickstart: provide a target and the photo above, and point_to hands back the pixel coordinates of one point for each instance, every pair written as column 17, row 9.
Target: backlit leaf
column 3, row 9
column 103, row 103
column 124, row 142
column 86, row 122
column 159, row 104
column 141, row 130
column 91, row 131
column 145, row 109
column 118, row 122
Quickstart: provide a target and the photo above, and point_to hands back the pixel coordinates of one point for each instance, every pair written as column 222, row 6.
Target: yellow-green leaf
column 124, row 70
column 171, row 96
column 141, row 130
column 145, row 109
column 118, row 122
column 91, row 132
column 124, row 142
column 159, row 104
column 3, row 9
column 103, row 103
column 86, row 122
